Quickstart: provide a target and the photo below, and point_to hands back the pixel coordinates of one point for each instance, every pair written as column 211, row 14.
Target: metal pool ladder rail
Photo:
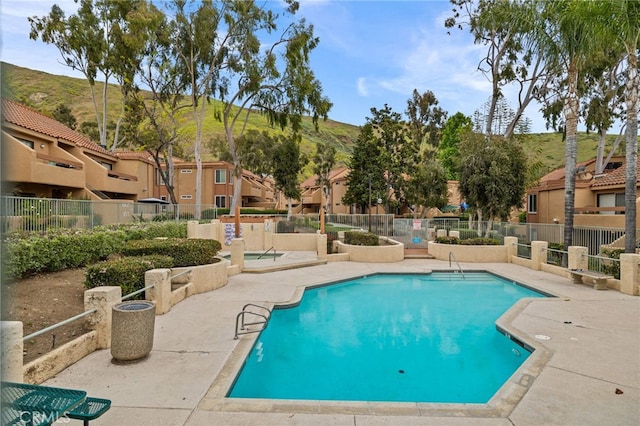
column 268, row 250
column 451, row 256
column 259, row 318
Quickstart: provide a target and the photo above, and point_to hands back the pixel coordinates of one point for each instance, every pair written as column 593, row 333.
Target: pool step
column 283, row 266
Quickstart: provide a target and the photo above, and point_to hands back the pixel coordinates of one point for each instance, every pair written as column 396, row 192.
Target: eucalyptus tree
column 100, row 40
column 619, row 22
column 424, row 121
column 492, row 175
column 602, row 100
column 448, row 151
column 154, row 98
column 233, row 55
column 324, row 160
column 505, row 28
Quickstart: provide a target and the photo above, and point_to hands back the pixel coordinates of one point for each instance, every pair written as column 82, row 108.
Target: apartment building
column 599, row 199
column 43, row 158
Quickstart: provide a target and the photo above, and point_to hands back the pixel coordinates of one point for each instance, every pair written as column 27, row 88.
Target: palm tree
column 565, row 38
column 617, row 28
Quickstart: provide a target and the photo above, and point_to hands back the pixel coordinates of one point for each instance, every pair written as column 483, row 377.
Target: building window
column 185, row 171
column 186, row 197
column 532, row 203
column 221, row 176
column 221, row 201
column 611, row 200
column 26, row 142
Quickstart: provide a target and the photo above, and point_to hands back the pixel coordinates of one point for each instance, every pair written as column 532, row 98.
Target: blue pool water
column 388, row 337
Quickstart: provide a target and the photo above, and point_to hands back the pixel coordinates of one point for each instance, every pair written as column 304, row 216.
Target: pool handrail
column 454, row 259
column 243, row 324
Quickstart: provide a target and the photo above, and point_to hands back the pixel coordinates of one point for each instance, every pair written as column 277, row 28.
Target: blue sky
column 371, row 53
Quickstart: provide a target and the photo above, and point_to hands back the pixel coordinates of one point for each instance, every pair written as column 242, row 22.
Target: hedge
column 31, row 252
column 58, row 249
column 468, row 242
column 126, row 272
column 359, row 238
column 184, row 252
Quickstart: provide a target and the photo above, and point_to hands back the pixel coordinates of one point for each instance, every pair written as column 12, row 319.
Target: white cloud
column 362, row 87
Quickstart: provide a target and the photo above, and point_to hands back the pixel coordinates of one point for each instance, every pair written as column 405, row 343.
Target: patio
column 590, row 376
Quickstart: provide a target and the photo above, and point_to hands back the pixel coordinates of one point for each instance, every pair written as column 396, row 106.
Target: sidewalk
column 593, row 347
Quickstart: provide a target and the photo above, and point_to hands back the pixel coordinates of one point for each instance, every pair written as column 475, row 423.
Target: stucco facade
column 599, row 199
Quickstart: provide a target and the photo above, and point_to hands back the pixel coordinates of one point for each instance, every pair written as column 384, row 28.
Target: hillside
column 44, row 92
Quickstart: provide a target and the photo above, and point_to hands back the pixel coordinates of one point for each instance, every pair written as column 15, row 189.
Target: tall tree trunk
column 600, row 164
column 198, row 118
column 631, row 172
column 571, row 152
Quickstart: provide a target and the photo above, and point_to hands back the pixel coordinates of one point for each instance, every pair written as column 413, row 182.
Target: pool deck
column 586, row 370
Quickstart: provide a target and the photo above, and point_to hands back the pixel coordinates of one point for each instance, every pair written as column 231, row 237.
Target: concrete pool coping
column 195, row 358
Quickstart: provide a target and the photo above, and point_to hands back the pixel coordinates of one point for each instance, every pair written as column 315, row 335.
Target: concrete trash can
column 132, row 325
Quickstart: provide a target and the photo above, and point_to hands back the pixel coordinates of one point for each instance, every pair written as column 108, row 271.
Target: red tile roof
column 20, row 115
column 616, row 177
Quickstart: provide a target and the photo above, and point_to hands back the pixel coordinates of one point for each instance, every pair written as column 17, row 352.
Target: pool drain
column 401, row 371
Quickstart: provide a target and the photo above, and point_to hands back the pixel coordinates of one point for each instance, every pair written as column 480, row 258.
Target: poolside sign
column 417, row 224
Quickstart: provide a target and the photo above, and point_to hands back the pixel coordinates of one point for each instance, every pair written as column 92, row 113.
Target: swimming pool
column 388, row 337
column 256, row 256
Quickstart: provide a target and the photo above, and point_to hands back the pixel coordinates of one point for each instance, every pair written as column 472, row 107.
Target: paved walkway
column 586, row 373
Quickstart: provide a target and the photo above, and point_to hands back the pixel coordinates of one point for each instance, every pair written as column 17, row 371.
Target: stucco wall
column 393, row 251
column 465, row 253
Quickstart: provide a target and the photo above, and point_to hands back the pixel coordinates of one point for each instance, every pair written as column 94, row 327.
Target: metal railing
column 84, row 314
column 557, row 257
column 451, row 256
column 524, row 251
column 604, row 265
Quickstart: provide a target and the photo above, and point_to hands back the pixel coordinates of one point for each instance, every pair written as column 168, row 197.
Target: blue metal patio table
column 34, row 405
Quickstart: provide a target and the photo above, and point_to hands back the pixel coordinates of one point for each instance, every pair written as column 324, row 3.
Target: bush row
column 359, row 238
column 184, row 252
column 143, row 255
column 126, row 272
column 27, row 252
column 469, row 242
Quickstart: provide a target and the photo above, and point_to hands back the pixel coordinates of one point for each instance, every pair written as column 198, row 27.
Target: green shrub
column 468, row 242
column 29, row 252
column 285, row 227
column 466, row 233
column 150, row 230
column 555, row 257
column 184, row 252
column 359, row 238
column 447, row 240
column 611, row 268
column 480, row 242
column 126, row 272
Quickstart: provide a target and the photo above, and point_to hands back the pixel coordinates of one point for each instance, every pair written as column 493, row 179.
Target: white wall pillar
column 237, row 252
column 630, row 274
column 160, row 294
column 578, row 257
column 102, row 298
column 322, row 246
column 538, row 254
column 512, row 247
column 12, row 351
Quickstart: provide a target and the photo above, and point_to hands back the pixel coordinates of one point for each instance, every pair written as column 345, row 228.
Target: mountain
column 44, row 92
